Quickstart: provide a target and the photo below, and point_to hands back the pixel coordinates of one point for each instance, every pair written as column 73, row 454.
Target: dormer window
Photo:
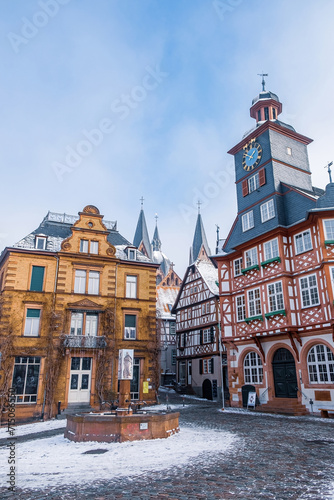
column 132, row 253
column 89, row 246
column 40, row 242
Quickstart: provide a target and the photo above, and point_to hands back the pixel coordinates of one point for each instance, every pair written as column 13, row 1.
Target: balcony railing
column 85, row 341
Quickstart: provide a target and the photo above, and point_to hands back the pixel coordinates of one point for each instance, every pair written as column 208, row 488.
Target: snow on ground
column 276, row 415
column 22, row 430
column 57, row 461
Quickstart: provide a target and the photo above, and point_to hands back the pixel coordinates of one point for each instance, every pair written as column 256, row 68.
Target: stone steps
column 284, row 406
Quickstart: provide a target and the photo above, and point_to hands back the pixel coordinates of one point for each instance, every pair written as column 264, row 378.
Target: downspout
column 115, row 308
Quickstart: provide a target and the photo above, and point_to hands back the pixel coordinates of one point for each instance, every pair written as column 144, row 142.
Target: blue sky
column 169, row 83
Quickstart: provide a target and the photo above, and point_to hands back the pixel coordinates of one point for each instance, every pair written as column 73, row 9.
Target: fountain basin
column 117, row 429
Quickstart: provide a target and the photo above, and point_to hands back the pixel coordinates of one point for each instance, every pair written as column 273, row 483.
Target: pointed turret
column 156, row 242
column 200, row 248
column 141, row 239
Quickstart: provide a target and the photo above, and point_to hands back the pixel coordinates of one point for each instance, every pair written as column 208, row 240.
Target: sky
column 109, row 101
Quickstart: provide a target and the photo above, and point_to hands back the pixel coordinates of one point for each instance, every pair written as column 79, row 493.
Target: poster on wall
column 125, row 364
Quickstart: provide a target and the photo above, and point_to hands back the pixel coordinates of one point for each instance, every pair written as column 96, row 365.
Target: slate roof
column 141, row 234
column 57, row 229
column 156, row 242
column 198, row 241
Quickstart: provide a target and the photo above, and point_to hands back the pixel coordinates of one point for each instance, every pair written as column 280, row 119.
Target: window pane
column 329, row 229
column 94, row 247
column 131, row 287
column 76, row 323
column 31, row 327
column 93, row 283
column 80, row 281
column 91, row 324
column 86, row 363
column 84, row 246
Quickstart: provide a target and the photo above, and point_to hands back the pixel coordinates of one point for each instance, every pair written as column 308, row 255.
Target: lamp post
column 221, row 364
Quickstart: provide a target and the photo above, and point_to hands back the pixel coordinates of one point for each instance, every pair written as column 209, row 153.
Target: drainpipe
column 115, row 308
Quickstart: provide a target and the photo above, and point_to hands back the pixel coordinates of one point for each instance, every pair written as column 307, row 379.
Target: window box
column 274, row 313
column 253, row 318
column 275, row 259
column 329, row 242
column 244, row 271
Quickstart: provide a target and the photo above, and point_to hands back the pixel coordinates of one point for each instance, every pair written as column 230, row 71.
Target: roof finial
column 199, row 203
column 156, row 219
column 263, row 80
column 142, row 201
column 328, row 166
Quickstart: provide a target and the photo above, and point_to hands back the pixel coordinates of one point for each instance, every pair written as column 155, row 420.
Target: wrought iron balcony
column 85, row 341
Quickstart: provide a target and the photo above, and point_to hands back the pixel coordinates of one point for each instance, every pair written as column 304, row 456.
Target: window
column 94, row 247
column 329, row 229
column 274, row 113
column 320, row 364
column 259, row 115
column 40, row 242
column 208, row 335
column 271, row 249
column 208, row 308
column 172, row 327
column 37, row 279
column 275, row 293
column 131, row 253
column 80, row 281
column 303, row 242
column 131, row 287
column 289, row 151
column 91, row 324
column 206, row 366
column 266, row 113
column 241, row 308
column 84, row 246
column 254, row 302
column 309, row 289
column 237, row 267
column 134, row 383
column 253, row 183
column 93, row 282
column 253, row 369
column 173, row 356
column 251, row 257
column 247, row 221
column 267, row 210
column 25, row 379
column 76, row 323
column 31, row 328
column 130, row 326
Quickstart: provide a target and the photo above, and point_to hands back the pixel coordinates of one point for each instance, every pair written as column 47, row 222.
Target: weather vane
column 263, row 80
column 142, row 201
column 328, row 166
column 199, row 203
column 156, row 218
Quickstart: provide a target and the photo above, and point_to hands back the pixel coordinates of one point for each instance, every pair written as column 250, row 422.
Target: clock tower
column 273, row 178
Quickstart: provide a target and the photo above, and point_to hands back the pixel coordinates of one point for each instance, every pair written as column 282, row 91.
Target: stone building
column 72, row 293
column 276, row 270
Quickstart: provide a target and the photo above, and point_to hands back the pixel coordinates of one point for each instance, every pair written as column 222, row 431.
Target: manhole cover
column 98, row 451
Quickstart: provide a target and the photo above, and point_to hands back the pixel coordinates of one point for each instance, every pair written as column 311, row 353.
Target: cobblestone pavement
column 277, row 458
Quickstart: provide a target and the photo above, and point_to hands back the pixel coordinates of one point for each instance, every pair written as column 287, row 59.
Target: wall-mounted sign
column 145, row 387
column 125, row 364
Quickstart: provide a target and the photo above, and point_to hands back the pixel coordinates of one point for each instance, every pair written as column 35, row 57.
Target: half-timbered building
column 199, row 366
column 276, row 271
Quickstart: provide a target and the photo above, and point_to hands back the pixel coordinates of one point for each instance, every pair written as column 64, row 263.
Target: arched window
column 253, row 369
column 320, row 364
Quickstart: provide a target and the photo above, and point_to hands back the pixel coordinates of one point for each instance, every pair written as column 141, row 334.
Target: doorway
column 80, row 380
column 284, row 370
column 207, row 389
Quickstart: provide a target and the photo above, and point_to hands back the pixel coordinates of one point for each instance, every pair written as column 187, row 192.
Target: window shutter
column 201, row 337
column 201, row 366
column 212, row 365
column 244, row 187
column 262, row 177
column 184, row 340
column 37, row 278
column 212, row 334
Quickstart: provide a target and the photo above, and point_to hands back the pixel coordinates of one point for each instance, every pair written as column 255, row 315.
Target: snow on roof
column 166, row 295
column 209, row 273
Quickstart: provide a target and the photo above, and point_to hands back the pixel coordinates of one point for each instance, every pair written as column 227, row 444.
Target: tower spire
column 141, row 239
column 200, row 248
column 156, row 242
column 263, row 81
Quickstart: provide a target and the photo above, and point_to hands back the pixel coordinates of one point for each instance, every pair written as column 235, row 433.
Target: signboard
column 145, row 387
column 251, row 399
column 125, row 364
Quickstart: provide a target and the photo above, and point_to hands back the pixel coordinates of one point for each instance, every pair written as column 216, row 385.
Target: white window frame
column 303, row 243
column 329, row 233
column 84, row 246
column 237, row 266
column 267, row 210
column 269, row 248
column 80, row 279
column 27, row 362
column 131, row 287
column 94, row 247
column 275, row 296
column 93, row 283
column 130, row 332
column 43, row 240
column 320, row 364
column 251, row 258
column 207, row 336
column 240, row 305
column 91, row 324
column 253, row 368
column 253, row 183
column 132, row 253
column 32, row 324
column 76, row 323
column 247, row 221
column 307, row 293
column 254, row 302
column 207, row 366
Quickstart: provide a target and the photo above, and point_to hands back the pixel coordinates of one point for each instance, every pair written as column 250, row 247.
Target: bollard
column 59, row 404
column 182, row 400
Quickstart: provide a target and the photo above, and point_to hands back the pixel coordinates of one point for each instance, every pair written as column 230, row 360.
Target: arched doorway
column 284, row 371
column 207, row 389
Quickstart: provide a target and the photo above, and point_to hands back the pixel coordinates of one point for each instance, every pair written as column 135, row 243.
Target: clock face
column 252, row 156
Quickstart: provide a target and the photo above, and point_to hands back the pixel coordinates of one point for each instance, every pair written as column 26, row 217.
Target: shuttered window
column 37, row 279
column 245, row 187
column 262, row 177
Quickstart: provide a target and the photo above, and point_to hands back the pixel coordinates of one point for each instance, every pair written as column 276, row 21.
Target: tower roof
column 199, row 242
column 156, row 242
column 141, row 239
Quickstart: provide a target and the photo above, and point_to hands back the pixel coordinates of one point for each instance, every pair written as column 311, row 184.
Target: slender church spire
column 200, row 248
column 141, row 239
column 156, row 242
